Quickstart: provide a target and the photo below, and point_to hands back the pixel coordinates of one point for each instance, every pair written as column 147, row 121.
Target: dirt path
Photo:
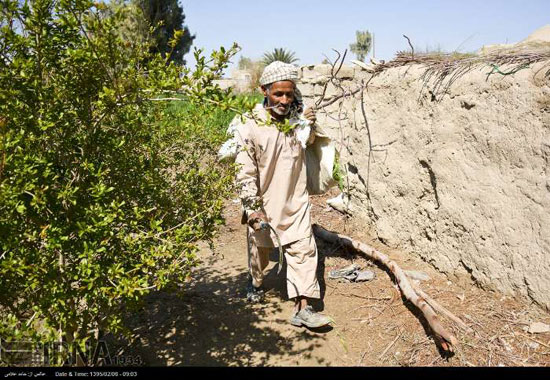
column 210, row 323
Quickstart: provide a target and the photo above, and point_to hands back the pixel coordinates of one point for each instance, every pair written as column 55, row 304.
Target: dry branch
column 448, row 341
column 344, row 94
column 412, row 49
column 390, row 345
column 333, row 72
column 437, row 307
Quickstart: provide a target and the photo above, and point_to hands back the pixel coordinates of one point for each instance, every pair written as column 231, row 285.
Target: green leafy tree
column 105, row 186
column 362, row 45
column 279, row 54
column 166, row 17
column 134, row 28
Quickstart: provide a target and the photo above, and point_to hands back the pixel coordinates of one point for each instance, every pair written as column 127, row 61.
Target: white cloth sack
column 320, row 157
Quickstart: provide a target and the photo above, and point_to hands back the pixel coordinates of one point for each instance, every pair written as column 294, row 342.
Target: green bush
column 104, row 190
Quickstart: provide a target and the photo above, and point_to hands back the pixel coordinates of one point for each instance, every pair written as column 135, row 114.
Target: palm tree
column 362, row 45
column 279, row 54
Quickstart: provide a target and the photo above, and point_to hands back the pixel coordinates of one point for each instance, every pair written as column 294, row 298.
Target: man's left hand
column 309, row 114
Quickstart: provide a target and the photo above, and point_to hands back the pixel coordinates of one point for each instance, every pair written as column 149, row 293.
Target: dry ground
column 210, row 324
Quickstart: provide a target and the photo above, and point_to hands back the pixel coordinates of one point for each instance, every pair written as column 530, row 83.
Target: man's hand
column 255, row 219
column 309, row 114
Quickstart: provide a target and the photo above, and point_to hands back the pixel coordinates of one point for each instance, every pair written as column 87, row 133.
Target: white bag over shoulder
column 320, row 157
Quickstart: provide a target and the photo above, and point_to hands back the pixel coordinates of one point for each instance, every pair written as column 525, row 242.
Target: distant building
column 240, row 81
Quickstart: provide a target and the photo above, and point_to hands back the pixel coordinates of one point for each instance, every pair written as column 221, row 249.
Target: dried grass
column 443, row 69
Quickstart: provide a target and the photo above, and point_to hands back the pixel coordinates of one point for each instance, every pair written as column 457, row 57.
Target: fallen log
column 437, row 307
column 447, row 340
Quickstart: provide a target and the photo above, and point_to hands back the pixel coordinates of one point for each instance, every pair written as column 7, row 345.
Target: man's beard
column 278, row 111
column 281, row 112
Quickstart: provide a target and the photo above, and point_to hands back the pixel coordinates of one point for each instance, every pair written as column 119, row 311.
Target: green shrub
column 104, row 192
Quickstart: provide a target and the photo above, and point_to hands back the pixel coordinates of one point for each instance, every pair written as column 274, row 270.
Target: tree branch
column 447, row 340
column 412, row 49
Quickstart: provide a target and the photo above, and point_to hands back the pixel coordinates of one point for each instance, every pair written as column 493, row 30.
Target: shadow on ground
column 210, row 324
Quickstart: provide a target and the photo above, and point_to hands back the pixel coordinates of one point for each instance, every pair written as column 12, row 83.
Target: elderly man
column 272, row 182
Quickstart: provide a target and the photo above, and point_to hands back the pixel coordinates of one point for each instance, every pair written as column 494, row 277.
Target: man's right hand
column 255, row 219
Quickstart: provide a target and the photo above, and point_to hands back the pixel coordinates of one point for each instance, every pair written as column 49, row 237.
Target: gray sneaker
column 309, row 318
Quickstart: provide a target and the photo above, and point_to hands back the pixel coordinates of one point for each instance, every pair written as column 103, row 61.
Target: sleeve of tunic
column 247, row 175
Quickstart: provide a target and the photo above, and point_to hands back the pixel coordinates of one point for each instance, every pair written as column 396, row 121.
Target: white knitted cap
column 277, row 71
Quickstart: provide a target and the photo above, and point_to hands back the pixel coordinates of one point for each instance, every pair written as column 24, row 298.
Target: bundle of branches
column 410, row 291
column 445, row 68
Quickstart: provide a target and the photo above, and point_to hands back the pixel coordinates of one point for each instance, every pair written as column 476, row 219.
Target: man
column 272, row 182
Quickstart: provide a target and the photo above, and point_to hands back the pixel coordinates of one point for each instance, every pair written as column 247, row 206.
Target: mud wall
column 463, row 182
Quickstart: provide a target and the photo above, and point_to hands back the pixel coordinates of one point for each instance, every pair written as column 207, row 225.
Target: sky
column 312, row 28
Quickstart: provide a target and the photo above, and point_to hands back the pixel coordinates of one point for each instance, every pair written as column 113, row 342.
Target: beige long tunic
column 272, row 178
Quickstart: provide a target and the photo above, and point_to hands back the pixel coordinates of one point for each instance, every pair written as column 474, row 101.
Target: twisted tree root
column 447, row 340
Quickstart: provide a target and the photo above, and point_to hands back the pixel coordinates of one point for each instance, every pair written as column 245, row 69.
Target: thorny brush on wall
column 443, row 69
